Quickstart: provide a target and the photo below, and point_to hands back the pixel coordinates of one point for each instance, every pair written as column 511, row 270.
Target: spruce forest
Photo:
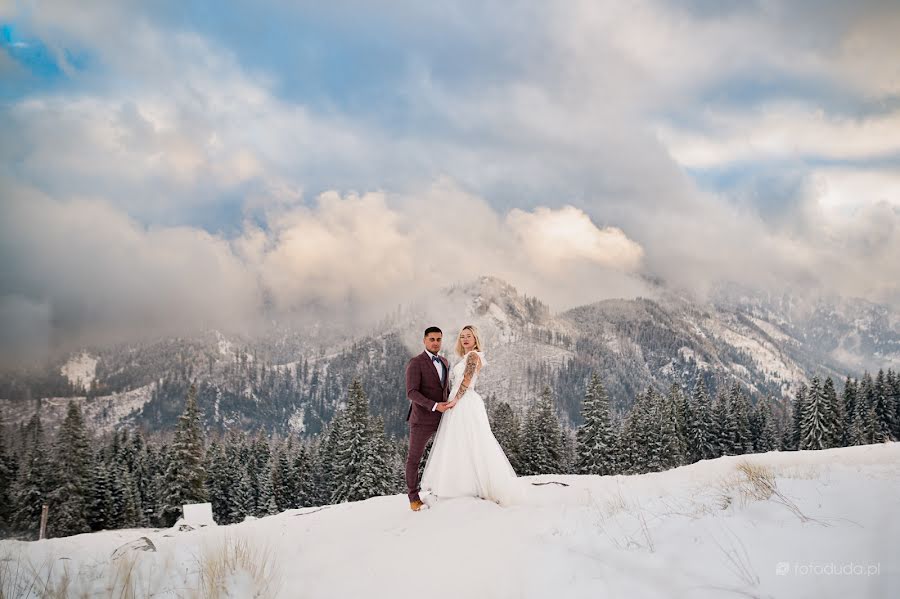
column 129, row 479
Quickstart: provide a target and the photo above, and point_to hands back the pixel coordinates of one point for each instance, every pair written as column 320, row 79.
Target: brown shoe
column 416, row 505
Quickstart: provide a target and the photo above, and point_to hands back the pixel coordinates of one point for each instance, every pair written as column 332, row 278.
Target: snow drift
column 782, row 524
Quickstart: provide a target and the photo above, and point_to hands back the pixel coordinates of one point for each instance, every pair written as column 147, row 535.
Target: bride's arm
column 472, row 361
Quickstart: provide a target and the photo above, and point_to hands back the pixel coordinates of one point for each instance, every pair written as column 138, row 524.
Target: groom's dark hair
column 432, row 330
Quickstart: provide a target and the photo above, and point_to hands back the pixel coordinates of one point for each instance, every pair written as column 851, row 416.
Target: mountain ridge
column 287, row 380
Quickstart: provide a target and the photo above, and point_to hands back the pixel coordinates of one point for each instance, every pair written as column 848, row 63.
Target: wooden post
column 43, row 522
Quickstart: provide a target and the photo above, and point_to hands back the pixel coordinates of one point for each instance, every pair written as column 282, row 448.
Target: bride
column 466, row 460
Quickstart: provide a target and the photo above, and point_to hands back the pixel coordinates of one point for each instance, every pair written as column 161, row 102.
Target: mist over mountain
column 288, row 378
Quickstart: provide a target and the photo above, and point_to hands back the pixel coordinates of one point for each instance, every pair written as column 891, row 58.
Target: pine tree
column 652, row 431
column 864, row 418
column 798, row 409
column 124, row 488
column 642, row 441
column 160, row 518
column 671, row 444
column 71, row 477
column 550, row 433
column 6, row 480
column 150, row 485
column 324, row 462
column 265, row 504
column 530, row 442
column 217, row 483
column 849, row 410
column 303, row 470
column 893, row 387
column 739, row 422
column 376, row 475
column 885, row 412
column 783, row 413
column 243, row 504
column 185, row 473
column 233, row 506
column 386, row 468
column 284, row 478
column 595, row 443
column 352, row 444
column 33, row 480
column 833, row 415
column 567, row 446
column 258, row 468
column 116, row 516
column 722, row 425
column 584, row 434
column 764, row 436
column 142, row 482
column 100, row 499
column 542, row 447
column 633, row 456
column 703, row 440
column 681, row 407
column 814, row 425
column 505, row 426
column 125, row 452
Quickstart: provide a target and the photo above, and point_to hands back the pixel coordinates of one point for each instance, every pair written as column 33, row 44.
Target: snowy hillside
column 770, row 348
column 81, row 369
column 105, row 413
column 290, row 380
column 519, row 333
column 787, row 525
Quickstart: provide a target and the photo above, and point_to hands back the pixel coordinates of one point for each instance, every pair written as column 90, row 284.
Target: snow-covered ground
column 825, row 525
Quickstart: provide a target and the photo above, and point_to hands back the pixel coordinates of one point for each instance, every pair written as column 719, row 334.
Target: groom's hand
column 443, row 406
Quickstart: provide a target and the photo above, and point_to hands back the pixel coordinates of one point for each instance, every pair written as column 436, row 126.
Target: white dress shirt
column 439, row 366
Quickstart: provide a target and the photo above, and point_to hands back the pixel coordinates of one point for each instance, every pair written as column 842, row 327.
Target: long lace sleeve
column 472, row 362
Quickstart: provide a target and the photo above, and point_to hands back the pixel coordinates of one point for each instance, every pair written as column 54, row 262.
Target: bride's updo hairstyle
column 460, row 351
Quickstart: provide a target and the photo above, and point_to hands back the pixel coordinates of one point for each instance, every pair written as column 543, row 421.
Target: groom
column 428, row 388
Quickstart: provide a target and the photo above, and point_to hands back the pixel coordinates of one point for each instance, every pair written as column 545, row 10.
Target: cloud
column 552, row 238
column 347, row 169
column 345, row 249
column 366, row 251
column 27, row 329
column 844, row 192
column 94, row 275
column 869, row 52
column 783, row 132
column 178, row 142
column 90, row 274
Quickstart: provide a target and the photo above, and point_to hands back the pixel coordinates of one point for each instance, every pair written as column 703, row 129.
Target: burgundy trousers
column 419, row 434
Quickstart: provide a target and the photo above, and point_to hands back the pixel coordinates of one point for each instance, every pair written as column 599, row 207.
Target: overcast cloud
column 164, row 169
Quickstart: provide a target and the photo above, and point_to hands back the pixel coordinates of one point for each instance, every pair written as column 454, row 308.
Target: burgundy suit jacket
column 424, row 389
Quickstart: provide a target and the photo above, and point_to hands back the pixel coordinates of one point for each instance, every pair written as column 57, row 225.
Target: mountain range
column 286, row 379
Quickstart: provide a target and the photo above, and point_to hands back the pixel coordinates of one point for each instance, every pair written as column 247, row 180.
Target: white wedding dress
column 465, row 459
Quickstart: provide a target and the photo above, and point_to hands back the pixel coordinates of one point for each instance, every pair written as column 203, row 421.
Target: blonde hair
column 460, row 350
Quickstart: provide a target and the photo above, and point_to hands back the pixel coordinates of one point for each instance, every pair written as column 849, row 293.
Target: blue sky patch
column 29, row 52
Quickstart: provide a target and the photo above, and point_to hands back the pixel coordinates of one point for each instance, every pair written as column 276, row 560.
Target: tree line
column 125, row 479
